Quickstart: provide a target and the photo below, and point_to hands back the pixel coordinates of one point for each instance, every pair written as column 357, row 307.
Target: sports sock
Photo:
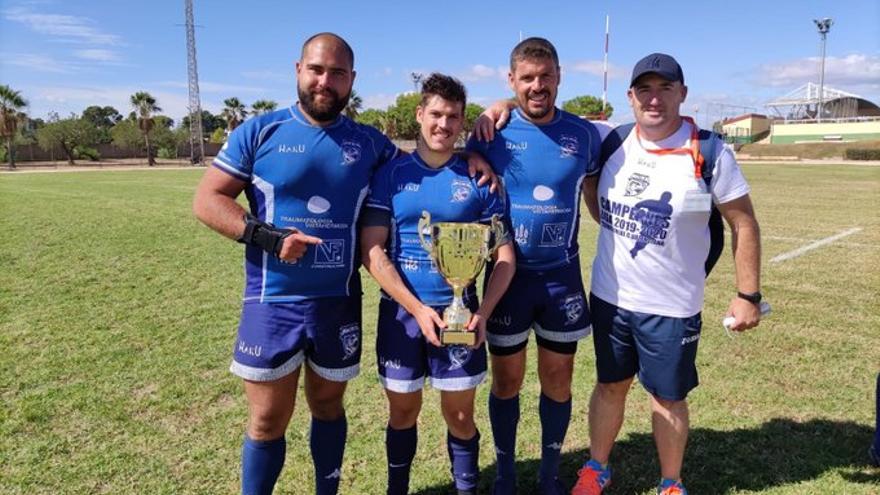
column 464, row 456
column 504, row 416
column 327, row 443
column 261, row 463
column 555, row 417
column 400, row 449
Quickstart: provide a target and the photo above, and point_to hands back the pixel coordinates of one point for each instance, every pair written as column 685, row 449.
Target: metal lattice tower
column 196, row 141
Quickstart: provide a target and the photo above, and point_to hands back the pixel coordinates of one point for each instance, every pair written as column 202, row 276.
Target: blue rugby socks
column 464, row 456
column 877, row 429
column 327, row 442
column 400, row 449
column 261, row 464
column 504, row 416
column 555, row 417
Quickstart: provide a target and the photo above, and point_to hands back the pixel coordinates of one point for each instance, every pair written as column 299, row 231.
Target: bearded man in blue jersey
column 305, row 171
column 543, row 156
column 414, row 294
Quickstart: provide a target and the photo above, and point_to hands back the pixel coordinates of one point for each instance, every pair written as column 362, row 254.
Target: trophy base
column 453, row 337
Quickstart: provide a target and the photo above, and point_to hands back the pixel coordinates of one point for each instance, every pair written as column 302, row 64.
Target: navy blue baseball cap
column 658, row 63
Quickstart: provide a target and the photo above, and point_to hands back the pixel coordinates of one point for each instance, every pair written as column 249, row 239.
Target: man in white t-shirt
column 648, row 278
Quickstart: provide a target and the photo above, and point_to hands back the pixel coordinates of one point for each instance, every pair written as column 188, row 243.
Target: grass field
column 118, row 312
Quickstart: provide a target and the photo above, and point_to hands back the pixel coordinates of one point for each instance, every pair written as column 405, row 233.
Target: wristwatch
column 752, row 297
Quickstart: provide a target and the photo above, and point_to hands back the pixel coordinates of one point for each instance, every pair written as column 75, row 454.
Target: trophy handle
column 498, row 231
column 424, row 223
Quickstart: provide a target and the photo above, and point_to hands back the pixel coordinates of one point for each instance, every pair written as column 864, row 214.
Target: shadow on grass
column 780, row 452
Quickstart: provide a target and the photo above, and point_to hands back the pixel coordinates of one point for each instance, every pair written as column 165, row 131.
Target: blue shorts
column 661, row 349
column 405, row 358
column 274, row 339
column 552, row 302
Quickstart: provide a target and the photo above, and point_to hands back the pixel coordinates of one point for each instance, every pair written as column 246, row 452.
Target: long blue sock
column 877, row 429
column 555, row 417
column 464, row 456
column 504, row 416
column 261, row 464
column 400, row 449
column 327, row 442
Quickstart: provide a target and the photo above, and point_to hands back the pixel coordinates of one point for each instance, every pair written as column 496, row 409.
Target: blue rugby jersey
column 308, row 177
column 406, row 187
column 543, row 167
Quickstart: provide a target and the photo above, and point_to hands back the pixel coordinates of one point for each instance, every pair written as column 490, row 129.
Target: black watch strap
column 752, row 297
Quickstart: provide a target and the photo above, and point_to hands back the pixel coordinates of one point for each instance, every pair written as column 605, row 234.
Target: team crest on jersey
column 568, row 145
column 574, row 308
column 459, row 355
column 461, row 191
column 636, row 184
column 350, row 336
column 351, row 152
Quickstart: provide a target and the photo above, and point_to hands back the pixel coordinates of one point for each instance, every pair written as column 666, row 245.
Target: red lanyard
column 693, row 150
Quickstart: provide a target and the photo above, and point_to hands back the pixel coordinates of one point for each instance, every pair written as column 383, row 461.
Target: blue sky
column 66, row 55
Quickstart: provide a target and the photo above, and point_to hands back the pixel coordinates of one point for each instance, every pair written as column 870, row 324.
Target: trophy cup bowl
column 459, row 250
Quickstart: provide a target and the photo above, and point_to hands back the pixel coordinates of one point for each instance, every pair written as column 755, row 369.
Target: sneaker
column 874, row 455
column 671, row 487
column 592, row 479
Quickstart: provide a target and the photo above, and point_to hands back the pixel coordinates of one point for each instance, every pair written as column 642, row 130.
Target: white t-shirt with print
column 654, row 235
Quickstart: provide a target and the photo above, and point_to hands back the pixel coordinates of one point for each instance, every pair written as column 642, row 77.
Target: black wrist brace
column 263, row 235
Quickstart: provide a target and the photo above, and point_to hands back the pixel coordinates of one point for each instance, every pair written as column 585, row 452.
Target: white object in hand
column 728, row 321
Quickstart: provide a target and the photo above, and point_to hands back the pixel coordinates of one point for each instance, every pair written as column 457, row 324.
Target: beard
column 540, row 113
column 322, row 112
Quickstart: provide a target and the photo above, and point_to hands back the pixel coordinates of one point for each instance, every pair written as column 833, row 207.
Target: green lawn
column 118, row 313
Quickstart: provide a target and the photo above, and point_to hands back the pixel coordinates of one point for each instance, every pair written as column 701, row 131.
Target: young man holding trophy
column 543, row 156
column 413, row 341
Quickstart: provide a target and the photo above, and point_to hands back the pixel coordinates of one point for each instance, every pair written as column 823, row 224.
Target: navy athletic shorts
column 661, row 349
column 275, row 338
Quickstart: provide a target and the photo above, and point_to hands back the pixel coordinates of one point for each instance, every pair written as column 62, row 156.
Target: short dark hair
column 344, row 44
column 533, row 48
column 446, row 87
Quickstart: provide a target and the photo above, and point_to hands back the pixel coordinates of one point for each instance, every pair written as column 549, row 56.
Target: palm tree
column 11, row 103
column 263, row 106
column 144, row 106
column 234, row 113
column 355, row 104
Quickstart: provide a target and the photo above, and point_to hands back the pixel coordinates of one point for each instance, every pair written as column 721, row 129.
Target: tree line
column 145, row 129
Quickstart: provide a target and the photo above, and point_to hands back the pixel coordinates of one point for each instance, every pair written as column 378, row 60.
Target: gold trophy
column 459, row 251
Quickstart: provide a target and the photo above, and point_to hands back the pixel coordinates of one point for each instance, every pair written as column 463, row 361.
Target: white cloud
column 596, row 68
column 480, row 72
column 853, row 72
column 65, row 27
column 37, row 62
column 66, row 100
column 97, row 55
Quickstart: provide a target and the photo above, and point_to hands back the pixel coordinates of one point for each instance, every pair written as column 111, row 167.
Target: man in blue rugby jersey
column 414, row 294
column 305, row 171
column 544, row 156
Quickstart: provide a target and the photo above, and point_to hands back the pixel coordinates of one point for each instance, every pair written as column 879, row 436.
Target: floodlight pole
column 824, row 25
column 416, row 79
